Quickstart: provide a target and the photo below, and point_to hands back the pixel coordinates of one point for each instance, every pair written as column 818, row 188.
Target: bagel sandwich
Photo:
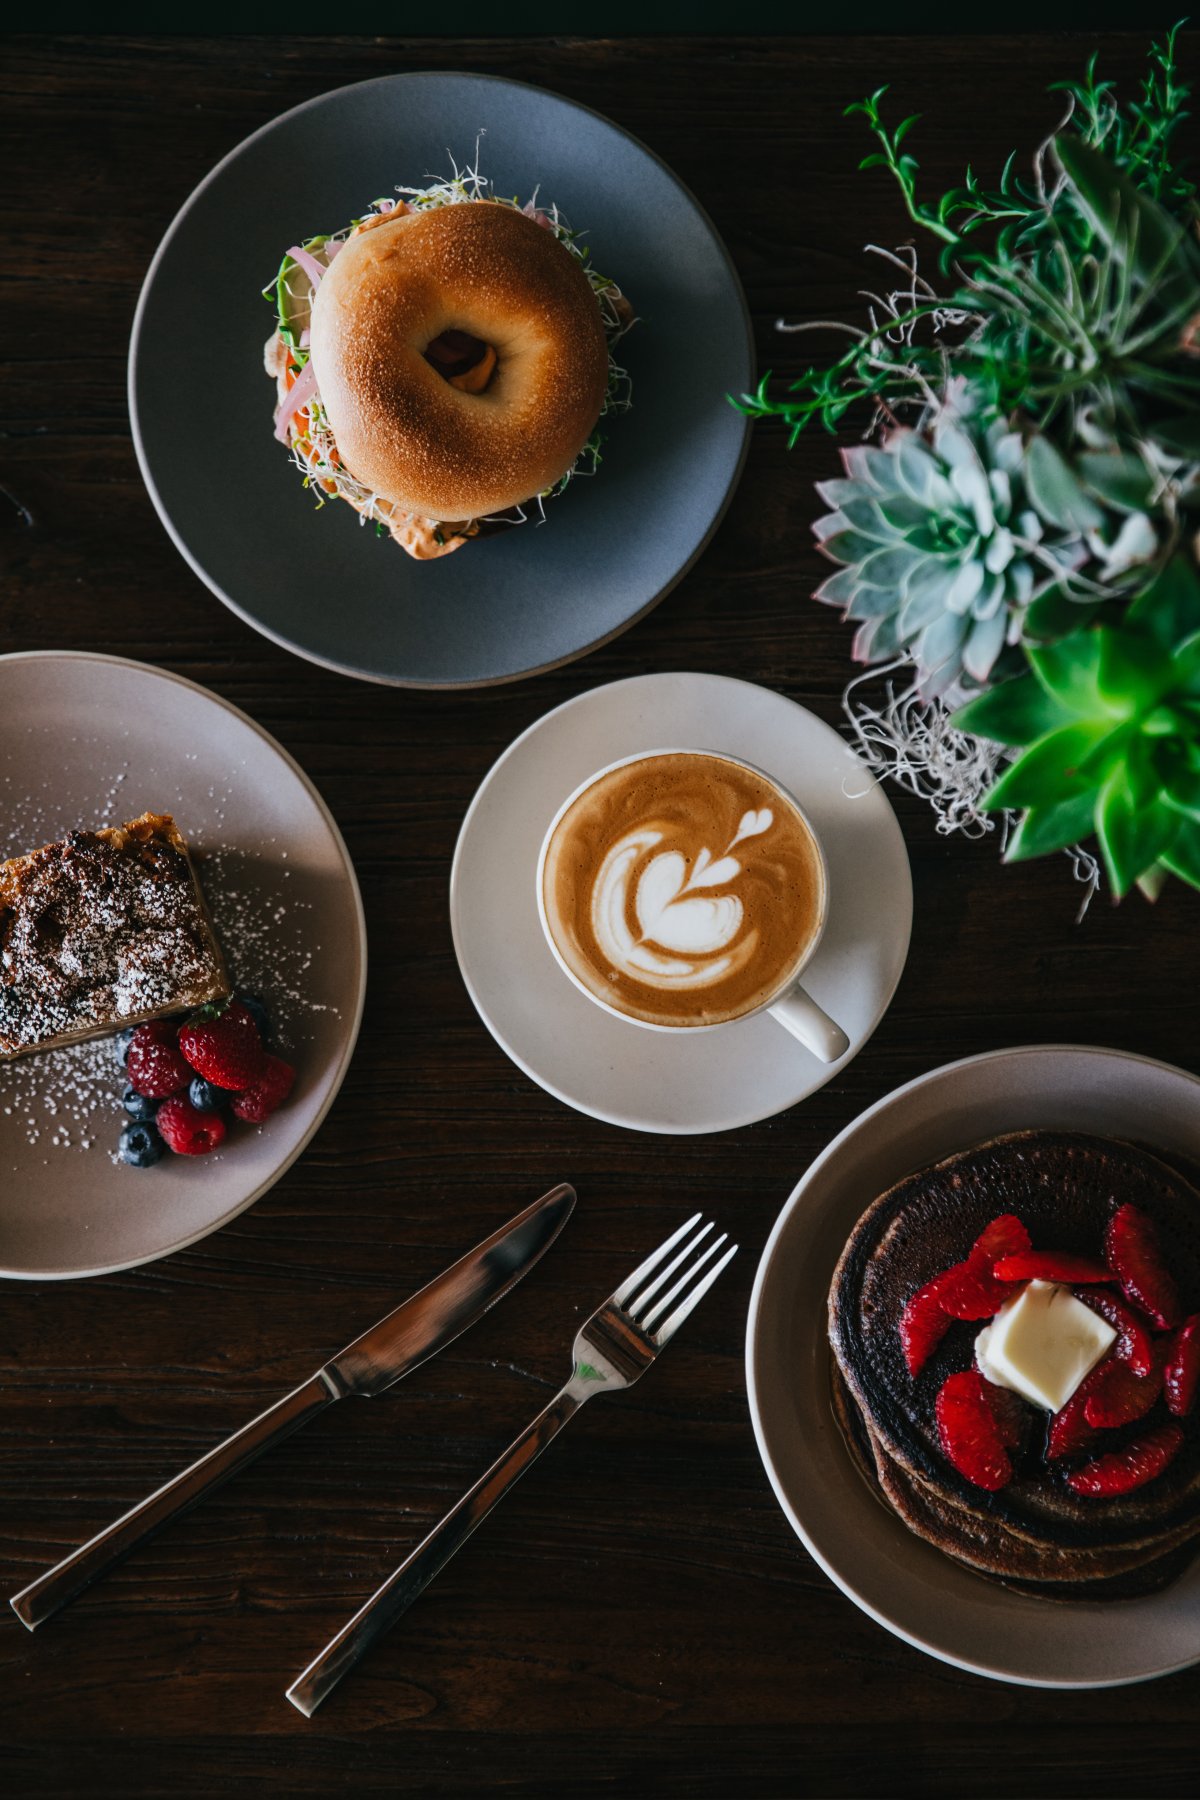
column 443, row 362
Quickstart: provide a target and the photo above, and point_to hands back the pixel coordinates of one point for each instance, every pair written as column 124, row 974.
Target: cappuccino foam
column 683, row 889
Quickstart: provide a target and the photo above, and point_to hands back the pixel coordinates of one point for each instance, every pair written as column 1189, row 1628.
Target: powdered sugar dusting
column 69, row 1100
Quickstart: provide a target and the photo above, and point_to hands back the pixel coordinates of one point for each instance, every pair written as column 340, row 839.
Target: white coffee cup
column 791, row 1005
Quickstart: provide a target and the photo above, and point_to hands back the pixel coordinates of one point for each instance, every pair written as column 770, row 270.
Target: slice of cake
column 101, row 930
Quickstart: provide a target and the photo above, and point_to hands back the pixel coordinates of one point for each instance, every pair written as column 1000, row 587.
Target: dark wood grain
column 638, row 1617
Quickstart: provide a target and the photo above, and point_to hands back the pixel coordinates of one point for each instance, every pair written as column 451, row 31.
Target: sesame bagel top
column 481, row 268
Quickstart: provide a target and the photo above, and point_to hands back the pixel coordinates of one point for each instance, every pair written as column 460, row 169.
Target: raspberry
column 272, row 1088
column 1069, row 1429
column 1131, row 1246
column 154, row 1064
column 1117, row 1396
column 222, row 1044
column 1123, row 1470
column 1133, row 1344
column 970, row 1433
column 1182, row 1372
column 1050, row 1265
column 186, row 1131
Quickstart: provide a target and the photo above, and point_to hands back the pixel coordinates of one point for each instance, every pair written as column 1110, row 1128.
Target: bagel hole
column 457, row 354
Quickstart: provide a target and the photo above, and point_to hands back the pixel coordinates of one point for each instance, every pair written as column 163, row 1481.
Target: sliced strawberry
column 970, row 1290
column 1118, row 1396
column 1069, row 1429
column 1003, row 1237
column 1132, row 1249
column 1050, row 1265
column 1133, row 1344
column 969, row 1433
column 1010, row 1413
column 971, row 1293
column 1182, row 1372
column 923, row 1324
column 1123, row 1470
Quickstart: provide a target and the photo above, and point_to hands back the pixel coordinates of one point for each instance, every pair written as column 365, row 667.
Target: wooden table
column 639, row 1616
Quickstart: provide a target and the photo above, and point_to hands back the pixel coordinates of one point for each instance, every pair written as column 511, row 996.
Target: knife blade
column 414, row 1331
column 441, row 1311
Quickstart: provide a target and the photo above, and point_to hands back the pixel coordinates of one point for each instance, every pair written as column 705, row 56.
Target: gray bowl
column 316, row 581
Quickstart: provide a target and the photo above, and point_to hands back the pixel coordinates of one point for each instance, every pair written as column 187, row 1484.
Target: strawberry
column 1123, row 1470
column 154, row 1064
column 1133, row 1342
column 923, row 1324
column 970, row 1290
column 970, row 1434
column 971, row 1293
column 1117, row 1396
column 186, row 1131
column 1003, row 1237
column 1131, row 1246
column 1050, row 1265
column 1069, row 1429
column 1182, row 1371
column 270, row 1090
column 222, row 1043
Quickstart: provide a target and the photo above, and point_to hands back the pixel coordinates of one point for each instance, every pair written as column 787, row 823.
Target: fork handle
column 42, row 1597
column 430, row 1557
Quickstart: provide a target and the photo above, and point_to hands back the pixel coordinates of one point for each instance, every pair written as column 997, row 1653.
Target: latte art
column 682, row 889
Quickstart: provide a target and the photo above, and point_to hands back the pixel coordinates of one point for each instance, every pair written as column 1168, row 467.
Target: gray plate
column 88, row 739
column 317, row 582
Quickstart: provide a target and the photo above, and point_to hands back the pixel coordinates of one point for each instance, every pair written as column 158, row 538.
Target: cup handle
column 806, row 1021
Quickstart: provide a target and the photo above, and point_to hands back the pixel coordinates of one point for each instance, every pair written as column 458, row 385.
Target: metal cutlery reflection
column 612, row 1350
column 413, row 1332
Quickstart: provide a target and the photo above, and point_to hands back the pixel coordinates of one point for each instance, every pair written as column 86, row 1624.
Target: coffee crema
column 683, row 889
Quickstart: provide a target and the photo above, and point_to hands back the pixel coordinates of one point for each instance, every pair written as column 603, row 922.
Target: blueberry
column 138, row 1106
column 122, row 1042
column 205, row 1096
column 140, row 1145
column 259, row 1014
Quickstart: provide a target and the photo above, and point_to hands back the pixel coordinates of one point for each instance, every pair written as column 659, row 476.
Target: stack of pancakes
column 1036, row 1533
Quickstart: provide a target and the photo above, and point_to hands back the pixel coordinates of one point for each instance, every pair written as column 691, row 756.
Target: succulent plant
column 948, row 534
column 1109, row 723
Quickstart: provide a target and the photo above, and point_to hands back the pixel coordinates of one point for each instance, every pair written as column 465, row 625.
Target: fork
column 612, row 1350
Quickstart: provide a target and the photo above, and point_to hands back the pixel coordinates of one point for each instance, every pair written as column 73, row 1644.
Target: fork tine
column 644, row 1298
column 670, row 1326
column 688, row 1275
column 652, row 1261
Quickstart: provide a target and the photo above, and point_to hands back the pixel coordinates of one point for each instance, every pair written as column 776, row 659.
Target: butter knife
column 410, row 1335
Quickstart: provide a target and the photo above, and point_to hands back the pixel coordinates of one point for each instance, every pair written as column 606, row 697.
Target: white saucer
column 646, row 1080
column 907, row 1585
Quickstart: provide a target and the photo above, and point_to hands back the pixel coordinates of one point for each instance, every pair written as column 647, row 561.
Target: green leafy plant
column 1030, row 490
column 1108, row 721
column 951, row 535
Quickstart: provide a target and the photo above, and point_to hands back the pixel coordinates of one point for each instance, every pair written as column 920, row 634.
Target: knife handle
column 431, row 1556
column 35, row 1603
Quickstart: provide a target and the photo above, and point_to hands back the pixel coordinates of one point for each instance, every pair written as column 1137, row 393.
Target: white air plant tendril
column 909, row 739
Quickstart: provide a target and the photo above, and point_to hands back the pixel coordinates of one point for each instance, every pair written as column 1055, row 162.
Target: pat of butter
column 1042, row 1343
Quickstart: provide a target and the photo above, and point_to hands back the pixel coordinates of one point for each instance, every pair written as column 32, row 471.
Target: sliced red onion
column 302, row 390
column 334, row 249
column 305, row 338
column 312, row 268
